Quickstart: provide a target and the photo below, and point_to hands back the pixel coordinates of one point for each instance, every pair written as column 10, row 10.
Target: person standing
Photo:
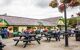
column 58, row 34
column 72, row 31
column 2, row 33
column 5, row 32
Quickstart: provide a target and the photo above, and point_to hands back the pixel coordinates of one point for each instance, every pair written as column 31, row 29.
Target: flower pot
column 74, row 3
column 61, row 7
column 53, row 3
column 67, row 1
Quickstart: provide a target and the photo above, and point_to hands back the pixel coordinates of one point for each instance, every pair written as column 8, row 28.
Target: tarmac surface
column 45, row 45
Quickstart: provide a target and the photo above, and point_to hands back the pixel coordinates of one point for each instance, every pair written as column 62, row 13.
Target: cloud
column 41, row 3
column 29, row 8
column 33, row 9
column 4, row 2
column 72, row 11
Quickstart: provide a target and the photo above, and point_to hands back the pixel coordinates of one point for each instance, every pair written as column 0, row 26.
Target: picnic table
column 31, row 37
column 50, row 35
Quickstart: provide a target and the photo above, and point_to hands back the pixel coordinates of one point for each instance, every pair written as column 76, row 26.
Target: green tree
column 73, row 22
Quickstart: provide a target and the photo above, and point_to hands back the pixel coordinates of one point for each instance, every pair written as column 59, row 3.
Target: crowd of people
column 5, row 33
column 42, row 32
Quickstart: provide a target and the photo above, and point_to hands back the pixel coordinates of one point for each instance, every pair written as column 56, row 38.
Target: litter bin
column 77, row 35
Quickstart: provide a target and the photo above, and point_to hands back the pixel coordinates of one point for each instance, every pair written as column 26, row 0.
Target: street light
column 62, row 8
column 65, row 16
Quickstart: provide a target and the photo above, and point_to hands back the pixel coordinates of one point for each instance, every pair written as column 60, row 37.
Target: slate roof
column 13, row 20
column 52, row 20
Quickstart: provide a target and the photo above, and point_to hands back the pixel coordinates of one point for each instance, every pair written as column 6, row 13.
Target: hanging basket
column 61, row 7
column 67, row 1
column 74, row 3
column 53, row 3
column 78, row 14
column 78, row 1
column 71, row 3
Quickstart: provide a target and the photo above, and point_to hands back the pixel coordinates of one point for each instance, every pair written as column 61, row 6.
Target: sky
column 37, row 9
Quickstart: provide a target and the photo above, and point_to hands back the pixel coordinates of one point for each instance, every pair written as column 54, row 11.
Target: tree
column 73, row 22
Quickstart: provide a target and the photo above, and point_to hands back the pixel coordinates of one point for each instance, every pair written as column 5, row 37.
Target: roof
column 52, row 20
column 13, row 20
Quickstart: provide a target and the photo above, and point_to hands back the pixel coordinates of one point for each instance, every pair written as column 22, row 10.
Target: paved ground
column 53, row 45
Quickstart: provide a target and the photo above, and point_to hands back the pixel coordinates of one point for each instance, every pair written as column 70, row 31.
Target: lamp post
column 66, row 34
column 62, row 8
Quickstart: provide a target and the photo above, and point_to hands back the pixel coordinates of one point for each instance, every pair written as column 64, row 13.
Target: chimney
column 5, row 15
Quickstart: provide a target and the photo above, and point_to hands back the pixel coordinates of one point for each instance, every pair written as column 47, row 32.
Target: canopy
column 60, row 22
